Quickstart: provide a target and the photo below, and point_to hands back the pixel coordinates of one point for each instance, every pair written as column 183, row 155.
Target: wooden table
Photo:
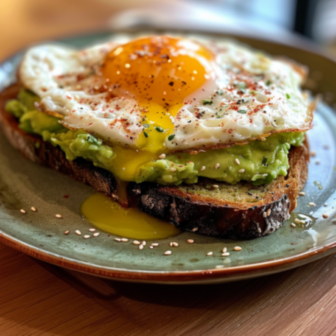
column 40, row 299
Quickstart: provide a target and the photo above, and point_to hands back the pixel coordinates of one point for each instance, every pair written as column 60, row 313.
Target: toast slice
column 240, row 211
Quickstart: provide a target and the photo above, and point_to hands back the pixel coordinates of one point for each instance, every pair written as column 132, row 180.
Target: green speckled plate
column 39, row 234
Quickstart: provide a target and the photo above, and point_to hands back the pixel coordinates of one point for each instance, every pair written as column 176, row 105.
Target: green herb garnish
column 93, row 140
column 207, row 102
column 171, row 137
column 268, row 83
column 242, row 111
column 288, row 96
column 159, row 129
column 220, row 92
column 264, row 160
column 145, row 134
column 241, row 85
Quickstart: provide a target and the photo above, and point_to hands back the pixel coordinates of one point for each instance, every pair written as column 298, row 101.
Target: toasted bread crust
column 184, row 208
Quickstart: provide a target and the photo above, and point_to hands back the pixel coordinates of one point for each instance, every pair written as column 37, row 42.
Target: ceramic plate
column 39, row 234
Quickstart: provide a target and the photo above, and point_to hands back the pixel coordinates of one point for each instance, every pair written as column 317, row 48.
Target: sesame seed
column 203, row 168
column 269, row 212
column 224, row 249
column 117, row 239
column 175, row 244
column 216, row 186
column 151, row 247
column 96, row 234
column 325, row 216
column 209, row 254
column 58, row 216
column 87, row 236
column 155, row 244
column 217, row 165
column 293, row 225
column 225, row 254
column 264, row 214
column 297, row 221
column 237, row 161
column 168, row 253
column 190, row 241
column 78, row 233
column 194, row 229
column 317, row 162
column 136, row 242
column 124, row 240
column 312, row 153
column 23, row 211
column 237, row 248
column 33, row 209
column 302, row 193
column 141, row 247
column 92, row 230
column 311, row 204
column 162, row 156
column 143, row 243
column 241, row 171
column 66, row 232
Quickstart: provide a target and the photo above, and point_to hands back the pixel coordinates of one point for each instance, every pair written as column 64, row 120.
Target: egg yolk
column 109, row 216
column 160, row 72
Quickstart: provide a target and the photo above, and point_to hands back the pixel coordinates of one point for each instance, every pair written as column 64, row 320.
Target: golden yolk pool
column 109, row 216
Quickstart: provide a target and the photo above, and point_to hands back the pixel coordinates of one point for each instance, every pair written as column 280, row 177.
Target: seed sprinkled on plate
column 151, row 247
column 86, row 236
column 225, row 254
column 33, row 209
column 237, row 161
column 325, row 216
column 117, row 239
column 174, row 244
column 190, row 241
column 241, row 171
column 23, row 211
column 217, row 165
column 293, row 225
column 58, row 216
column 194, row 229
column 168, row 253
column 216, row 186
column 144, row 243
column 162, row 156
column 224, row 249
column 311, row 204
column 237, row 248
column 209, row 254
column 155, row 244
column 203, row 168
column 264, row 214
column 141, row 247
column 66, row 232
column 92, row 230
column 96, row 234
column 312, row 153
column 172, row 169
column 78, row 233
column 297, row 221
column 136, row 242
column 124, row 240
column 302, row 193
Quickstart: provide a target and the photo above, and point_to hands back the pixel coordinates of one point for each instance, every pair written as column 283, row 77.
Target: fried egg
column 161, row 94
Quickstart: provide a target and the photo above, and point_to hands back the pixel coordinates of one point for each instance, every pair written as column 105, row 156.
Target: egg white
column 64, row 80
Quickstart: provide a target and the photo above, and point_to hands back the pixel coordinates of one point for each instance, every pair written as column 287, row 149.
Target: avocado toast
column 233, row 187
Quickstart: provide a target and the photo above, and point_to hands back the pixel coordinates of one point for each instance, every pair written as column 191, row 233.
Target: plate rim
column 214, row 275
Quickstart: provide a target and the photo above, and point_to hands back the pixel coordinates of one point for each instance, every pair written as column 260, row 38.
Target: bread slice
column 240, row 211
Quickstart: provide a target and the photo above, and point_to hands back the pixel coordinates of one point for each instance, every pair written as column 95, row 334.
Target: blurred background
column 23, row 22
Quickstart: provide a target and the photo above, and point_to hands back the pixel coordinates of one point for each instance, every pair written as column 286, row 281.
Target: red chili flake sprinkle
column 90, row 124
column 66, row 196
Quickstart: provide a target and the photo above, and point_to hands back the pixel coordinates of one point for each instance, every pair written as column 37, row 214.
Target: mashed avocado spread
column 259, row 161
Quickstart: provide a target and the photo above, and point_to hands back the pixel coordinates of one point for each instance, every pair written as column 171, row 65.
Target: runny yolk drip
column 160, row 72
column 110, row 217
